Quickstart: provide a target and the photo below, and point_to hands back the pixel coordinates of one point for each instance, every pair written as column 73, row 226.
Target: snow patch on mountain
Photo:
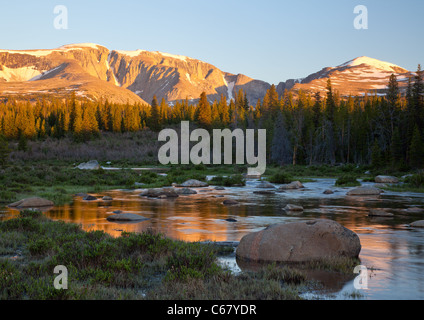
column 112, row 70
column 230, row 87
column 18, row 74
column 79, row 45
column 46, row 52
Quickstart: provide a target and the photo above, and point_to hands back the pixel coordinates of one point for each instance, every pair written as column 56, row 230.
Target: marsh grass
column 132, row 266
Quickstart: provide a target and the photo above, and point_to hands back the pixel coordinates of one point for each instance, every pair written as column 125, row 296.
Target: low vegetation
column 229, row 181
column 58, row 183
column 412, row 183
column 347, row 180
column 132, row 266
column 280, row 177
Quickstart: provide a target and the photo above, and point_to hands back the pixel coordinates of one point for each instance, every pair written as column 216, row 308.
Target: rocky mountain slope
column 95, row 72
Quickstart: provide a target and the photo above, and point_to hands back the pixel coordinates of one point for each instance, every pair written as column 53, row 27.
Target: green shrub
column 280, row 177
column 191, row 261
column 233, row 180
column 40, row 246
column 416, row 180
column 347, row 181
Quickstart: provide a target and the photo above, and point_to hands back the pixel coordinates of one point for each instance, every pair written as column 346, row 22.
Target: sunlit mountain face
column 95, row 72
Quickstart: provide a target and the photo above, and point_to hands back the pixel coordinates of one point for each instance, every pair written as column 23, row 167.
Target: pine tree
column 417, row 98
column 4, row 150
column 155, row 124
column 271, row 100
column 416, row 153
column 90, row 125
column 224, row 111
column 77, row 122
column 317, row 110
column 116, row 118
column 376, row 155
column 204, row 114
column 396, row 149
column 23, row 143
column 330, row 103
column 392, row 103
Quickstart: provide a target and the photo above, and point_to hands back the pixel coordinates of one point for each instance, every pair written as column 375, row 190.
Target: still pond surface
column 390, row 248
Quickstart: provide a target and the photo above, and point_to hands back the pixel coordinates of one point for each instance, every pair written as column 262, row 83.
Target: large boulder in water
column 193, row 184
column 292, row 186
column 364, row 191
column 31, row 203
column 386, row 179
column 186, row 191
column 300, row 242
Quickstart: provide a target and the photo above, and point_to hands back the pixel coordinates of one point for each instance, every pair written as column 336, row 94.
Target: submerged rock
column 300, row 242
column 380, row 213
column 219, row 188
column 414, row 210
column 126, row 217
column 81, row 194
column 265, row 185
column 107, row 198
column 364, row 191
column 264, row 192
column 418, row 224
column 89, row 198
column 31, row 203
column 230, row 202
column 292, row 207
column 328, row 192
column 380, row 185
column 386, row 179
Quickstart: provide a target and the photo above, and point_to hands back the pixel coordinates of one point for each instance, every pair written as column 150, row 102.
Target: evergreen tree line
column 385, row 130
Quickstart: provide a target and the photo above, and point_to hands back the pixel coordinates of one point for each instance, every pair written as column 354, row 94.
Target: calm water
column 389, row 246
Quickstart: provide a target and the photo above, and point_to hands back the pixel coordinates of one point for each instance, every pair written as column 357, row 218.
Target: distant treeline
column 385, row 130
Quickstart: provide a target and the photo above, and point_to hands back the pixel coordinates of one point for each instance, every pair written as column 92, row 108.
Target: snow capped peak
column 79, row 45
column 378, row 64
column 174, row 56
column 134, row 53
column 46, row 52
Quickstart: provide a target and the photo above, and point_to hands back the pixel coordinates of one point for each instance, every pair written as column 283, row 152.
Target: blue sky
column 271, row 40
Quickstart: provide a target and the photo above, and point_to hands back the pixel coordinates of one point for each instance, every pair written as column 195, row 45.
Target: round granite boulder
column 300, row 242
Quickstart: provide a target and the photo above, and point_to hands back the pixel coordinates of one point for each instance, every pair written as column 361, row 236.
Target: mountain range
column 95, row 72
